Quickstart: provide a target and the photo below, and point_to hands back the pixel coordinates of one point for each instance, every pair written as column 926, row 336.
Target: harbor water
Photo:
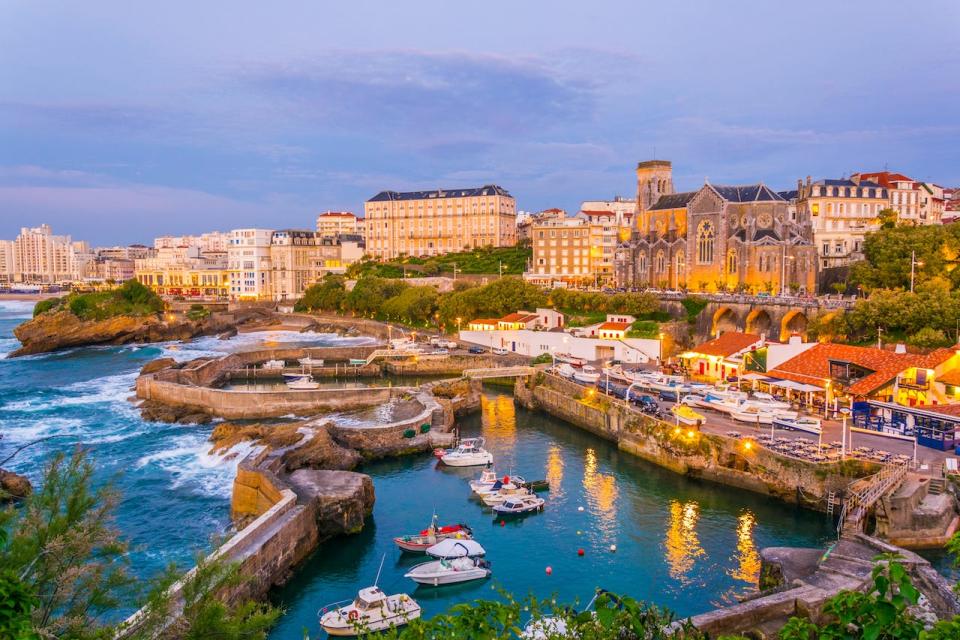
column 684, row 544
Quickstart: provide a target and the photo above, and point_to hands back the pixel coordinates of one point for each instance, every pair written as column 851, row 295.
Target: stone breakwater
column 707, row 456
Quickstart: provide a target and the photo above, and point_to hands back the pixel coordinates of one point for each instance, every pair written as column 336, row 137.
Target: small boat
column 469, row 453
column 459, row 561
column 311, row 362
column 760, row 397
column 303, row 384
column 586, row 374
column 810, row 425
column 503, row 490
column 752, row 414
column 432, row 535
column 565, row 370
column 273, row 364
column 569, row 359
column 515, row 505
column 488, row 477
column 371, row 611
column 294, row 376
column 686, row 415
column 500, row 483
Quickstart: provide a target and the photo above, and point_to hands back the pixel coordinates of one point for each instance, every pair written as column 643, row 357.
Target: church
column 748, row 238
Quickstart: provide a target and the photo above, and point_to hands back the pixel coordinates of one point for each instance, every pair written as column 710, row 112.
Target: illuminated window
column 705, row 243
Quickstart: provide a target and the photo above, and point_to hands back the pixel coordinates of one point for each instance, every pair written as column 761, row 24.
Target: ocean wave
column 191, row 465
column 112, row 389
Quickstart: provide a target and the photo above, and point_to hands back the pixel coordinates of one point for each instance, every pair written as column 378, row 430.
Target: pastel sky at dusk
column 120, row 121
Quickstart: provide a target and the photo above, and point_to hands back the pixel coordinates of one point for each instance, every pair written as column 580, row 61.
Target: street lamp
column 913, row 264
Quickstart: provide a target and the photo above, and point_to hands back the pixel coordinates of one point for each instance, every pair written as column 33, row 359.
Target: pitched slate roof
column 760, row 234
column 673, row 201
column 813, row 365
column 728, row 344
column 485, row 190
column 747, row 193
column 788, row 195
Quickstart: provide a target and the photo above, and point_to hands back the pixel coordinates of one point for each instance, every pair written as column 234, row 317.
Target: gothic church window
column 661, row 263
column 731, row 261
column 705, row 243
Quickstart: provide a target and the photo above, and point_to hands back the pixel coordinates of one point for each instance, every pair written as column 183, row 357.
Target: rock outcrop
column 340, row 500
column 13, row 486
column 298, row 445
column 156, row 365
column 153, row 411
column 61, row 329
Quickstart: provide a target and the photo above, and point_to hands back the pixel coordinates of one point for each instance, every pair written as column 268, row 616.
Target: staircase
column 863, row 494
column 936, row 486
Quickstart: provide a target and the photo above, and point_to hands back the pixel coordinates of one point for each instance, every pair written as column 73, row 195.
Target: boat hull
column 467, row 461
column 339, row 623
column 815, row 429
column 433, row 574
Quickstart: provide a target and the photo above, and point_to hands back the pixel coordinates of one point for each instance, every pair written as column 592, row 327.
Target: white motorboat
column 565, row 370
column 509, row 490
column 665, row 383
column 488, row 477
column 569, row 359
column 458, row 561
column 586, row 374
column 755, row 413
column 469, row 453
column 721, row 403
column 616, row 374
column 273, row 364
column 810, row 425
column 759, row 397
column 509, row 482
column 372, row 610
column 304, row 383
column 311, row 362
column 515, row 505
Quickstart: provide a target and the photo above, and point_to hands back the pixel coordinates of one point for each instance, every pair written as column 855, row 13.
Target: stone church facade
column 718, row 238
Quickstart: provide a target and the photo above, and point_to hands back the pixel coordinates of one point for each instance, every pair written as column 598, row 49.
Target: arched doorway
column 758, row 322
column 793, row 322
column 724, row 319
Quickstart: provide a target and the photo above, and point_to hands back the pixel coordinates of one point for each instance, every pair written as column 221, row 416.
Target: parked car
column 440, row 352
column 476, row 349
column 500, row 352
column 668, row 394
column 647, row 403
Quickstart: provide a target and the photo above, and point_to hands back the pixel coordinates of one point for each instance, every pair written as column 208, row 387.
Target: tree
column 839, row 287
column 888, row 218
column 326, row 295
column 929, row 338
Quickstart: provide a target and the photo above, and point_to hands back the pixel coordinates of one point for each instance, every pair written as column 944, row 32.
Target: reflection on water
column 682, row 544
column 498, row 418
column 555, row 471
column 601, row 488
column 747, row 567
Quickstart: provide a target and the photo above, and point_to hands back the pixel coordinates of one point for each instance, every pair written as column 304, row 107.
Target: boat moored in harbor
column 371, row 611
column 432, row 535
column 515, row 505
column 458, row 561
column 303, row 383
column 469, row 453
column 809, row 425
column 586, row 374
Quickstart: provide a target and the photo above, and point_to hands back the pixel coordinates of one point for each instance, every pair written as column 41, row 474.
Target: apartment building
column 185, row 271
column 624, row 209
column 429, row 223
column 561, row 253
column 299, row 258
column 332, row 224
column 213, row 241
column 108, row 269
column 841, row 213
column 39, row 257
column 916, row 203
column 248, row 261
column 132, row 252
column 8, row 267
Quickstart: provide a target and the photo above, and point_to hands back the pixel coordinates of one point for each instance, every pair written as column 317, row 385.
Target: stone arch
column 724, row 319
column 758, row 322
column 794, row 321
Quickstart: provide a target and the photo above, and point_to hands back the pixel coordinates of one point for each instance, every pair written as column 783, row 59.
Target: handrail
column 499, row 372
column 874, row 488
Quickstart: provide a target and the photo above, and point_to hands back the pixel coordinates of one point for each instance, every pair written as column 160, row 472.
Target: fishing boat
column 809, row 425
column 664, row 383
column 488, row 477
column 303, row 384
column 499, row 483
column 686, row 415
column 458, row 561
column 371, row 611
column 469, row 453
column 311, row 362
column 616, row 374
column 569, row 359
column 502, row 491
column 273, row 364
column 515, row 505
column 432, row 535
column 586, row 374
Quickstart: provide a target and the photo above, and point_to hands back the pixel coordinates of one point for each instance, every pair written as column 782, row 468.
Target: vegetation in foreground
column 129, row 299
column 64, row 572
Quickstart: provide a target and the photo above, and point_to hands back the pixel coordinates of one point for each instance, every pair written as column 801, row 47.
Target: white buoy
column 613, row 548
column 579, row 508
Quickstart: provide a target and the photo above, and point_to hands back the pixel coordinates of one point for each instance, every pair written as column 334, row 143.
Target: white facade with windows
column 248, row 263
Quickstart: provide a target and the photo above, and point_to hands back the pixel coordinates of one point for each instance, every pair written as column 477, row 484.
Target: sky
column 121, row 121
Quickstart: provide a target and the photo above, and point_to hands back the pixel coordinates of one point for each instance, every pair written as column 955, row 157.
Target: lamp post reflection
column 682, row 544
column 747, row 559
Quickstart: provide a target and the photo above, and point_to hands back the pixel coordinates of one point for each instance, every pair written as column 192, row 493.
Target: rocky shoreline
column 57, row 330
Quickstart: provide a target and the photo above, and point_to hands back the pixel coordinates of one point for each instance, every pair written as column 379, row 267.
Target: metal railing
column 872, row 488
column 498, row 372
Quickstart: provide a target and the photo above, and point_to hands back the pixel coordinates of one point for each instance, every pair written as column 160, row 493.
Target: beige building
column 916, row 203
column 299, row 258
column 841, row 213
column 7, row 262
column 212, row 241
column 429, row 223
column 39, row 257
column 333, row 224
column 185, row 271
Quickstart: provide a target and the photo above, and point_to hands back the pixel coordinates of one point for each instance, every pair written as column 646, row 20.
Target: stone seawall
column 710, row 457
column 449, row 365
column 391, row 439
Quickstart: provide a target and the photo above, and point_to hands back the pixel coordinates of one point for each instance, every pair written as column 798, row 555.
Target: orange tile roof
column 492, row 321
column 813, row 365
column 728, row 344
column 950, row 377
column 519, row 317
column 614, row 326
column 945, row 409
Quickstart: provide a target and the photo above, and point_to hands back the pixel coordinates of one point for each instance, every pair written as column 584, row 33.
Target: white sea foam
column 190, row 464
column 114, row 389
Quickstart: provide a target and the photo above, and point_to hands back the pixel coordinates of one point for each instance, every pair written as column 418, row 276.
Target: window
column 661, row 263
column 705, row 242
column 642, row 262
column 731, row 261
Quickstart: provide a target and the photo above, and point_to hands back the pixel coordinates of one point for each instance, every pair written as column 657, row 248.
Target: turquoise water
column 684, row 544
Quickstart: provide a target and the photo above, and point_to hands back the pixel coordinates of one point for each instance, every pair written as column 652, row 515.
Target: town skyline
column 185, row 126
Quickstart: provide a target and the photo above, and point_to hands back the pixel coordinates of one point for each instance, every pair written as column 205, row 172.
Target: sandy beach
column 29, row 296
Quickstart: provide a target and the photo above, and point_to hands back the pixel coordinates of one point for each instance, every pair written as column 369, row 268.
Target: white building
column 332, row 224
column 7, row 262
column 624, row 210
column 214, row 241
column 39, row 257
column 535, row 343
column 248, row 263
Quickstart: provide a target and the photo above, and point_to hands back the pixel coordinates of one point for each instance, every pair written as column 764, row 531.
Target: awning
column 795, row 386
column 754, row 376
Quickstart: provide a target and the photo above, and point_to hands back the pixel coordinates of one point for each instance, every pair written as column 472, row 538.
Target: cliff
column 62, row 329
column 13, row 486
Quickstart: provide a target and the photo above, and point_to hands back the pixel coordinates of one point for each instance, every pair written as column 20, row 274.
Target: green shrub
column 46, row 305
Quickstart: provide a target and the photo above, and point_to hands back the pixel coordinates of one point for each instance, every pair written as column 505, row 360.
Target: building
column 841, row 213
column 518, row 320
column 561, row 253
column 248, row 261
column 429, row 223
column 613, row 330
column 916, row 203
column 132, row 252
column 717, row 238
column 536, row 343
column 526, row 221
column 623, row 209
column 216, row 241
column 294, row 263
column 332, row 224
column 725, row 355
column 185, row 272
column 39, row 257
column 543, row 319
column 8, row 268
column 109, row 269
